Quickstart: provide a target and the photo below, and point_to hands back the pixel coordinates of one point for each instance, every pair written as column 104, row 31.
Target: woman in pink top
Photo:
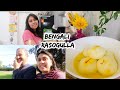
column 32, row 34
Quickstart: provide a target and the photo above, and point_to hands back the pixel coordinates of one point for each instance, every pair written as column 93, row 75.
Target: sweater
column 25, row 72
column 55, row 74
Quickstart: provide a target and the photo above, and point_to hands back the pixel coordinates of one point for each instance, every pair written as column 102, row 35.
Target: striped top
column 55, row 74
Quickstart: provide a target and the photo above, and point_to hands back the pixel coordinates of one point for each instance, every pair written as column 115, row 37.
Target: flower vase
column 79, row 34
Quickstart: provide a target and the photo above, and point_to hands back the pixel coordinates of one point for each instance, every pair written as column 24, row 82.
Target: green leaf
column 115, row 15
column 95, row 28
column 107, row 11
column 102, row 12
column 102, row 31
column 100, row 16
column 106, row 20
column 98, row 33
column 105, row 17
column 101, row 21
column 118, row 12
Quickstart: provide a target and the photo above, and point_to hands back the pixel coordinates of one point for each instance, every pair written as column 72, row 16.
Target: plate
column 105, row 42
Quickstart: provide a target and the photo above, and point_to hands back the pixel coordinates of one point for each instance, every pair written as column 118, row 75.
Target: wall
column 4, row 29
column 113, row 29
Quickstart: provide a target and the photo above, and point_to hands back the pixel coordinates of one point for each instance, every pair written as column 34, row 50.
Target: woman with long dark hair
column 33, row 33
column 46, row 66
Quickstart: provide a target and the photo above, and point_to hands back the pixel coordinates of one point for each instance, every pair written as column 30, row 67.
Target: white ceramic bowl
column 108, row 43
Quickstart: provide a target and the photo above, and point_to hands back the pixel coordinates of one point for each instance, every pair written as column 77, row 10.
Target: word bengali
column 56, row 36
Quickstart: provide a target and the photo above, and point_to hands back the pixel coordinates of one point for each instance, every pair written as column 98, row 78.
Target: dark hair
column 39, row 31
column 54, row 66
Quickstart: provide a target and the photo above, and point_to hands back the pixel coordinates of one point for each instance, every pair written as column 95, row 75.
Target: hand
column 17, row 65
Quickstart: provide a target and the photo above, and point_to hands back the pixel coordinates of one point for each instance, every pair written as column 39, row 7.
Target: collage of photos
column 94, row 37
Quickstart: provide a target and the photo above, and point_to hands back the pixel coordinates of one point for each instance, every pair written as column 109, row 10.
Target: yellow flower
column 71, row 17
column 80, row 23
column 77, row 21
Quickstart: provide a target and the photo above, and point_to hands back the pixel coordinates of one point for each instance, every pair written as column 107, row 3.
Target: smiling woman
column 33, row 33
column 46, row 66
